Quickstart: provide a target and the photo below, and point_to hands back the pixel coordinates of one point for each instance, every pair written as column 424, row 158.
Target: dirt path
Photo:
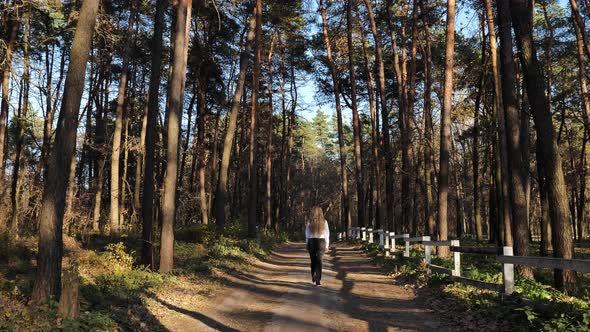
column 277, row 295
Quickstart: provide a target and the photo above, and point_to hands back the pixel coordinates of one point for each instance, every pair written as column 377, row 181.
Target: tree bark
column 254, row 110
column 513, row 138
column 388, row 211
column 116, row 150
column 346, row 219
column 521, row 11
column 177, row 80
column 360, row 183
column 501, row 111
column 201, row 121
column 12, row 26
column 50, row 108
column 445, row 130
column 376, row 187
column 20, row 125
column 147, row 211
column 140, row 165
column 221, row 192
column 428, row 130
column 586, row 116
column 269, row 146
column 476, row 180
column 48, row 275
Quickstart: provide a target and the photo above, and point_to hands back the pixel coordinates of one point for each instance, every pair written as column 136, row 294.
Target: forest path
column 277, row 295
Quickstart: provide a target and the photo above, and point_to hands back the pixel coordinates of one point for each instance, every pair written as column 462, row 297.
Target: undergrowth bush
column 226, row 248
column 89, row 321
column 111, row 282
column 549, row 309
column 121, row 286
column 117, row 256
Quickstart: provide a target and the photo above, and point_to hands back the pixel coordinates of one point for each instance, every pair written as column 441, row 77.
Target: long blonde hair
column 317, row 221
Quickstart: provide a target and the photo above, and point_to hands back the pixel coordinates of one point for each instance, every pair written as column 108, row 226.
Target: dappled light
column 294, row 165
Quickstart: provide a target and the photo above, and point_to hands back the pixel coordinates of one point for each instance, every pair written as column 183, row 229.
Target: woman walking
column 317, row 237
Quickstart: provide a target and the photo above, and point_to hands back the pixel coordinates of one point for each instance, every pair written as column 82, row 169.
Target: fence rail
column 478, row 250
column 387, row 243
column 580, row 265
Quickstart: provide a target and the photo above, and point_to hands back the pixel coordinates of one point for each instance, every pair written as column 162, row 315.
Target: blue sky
column 467, row 24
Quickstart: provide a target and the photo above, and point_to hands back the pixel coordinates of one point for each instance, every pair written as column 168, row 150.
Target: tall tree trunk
column 221, row 192
column 402, row 97
column 185, row 142
column 12, row 24
column 70, row 193
column 499, row 94
column 48, row 275
column 411, row 172
column 428, row 130
column 254, row 110
column 476, row 180
column 177, row 80
column 122, row 196
column 346, row 219
column 214, row 160
column 521, row 11
column 20, row 125
column 269, row 146
column 388, row 213
column 116, row 151
column 579, row 23
column 513, row 139
column 376, row 188
column 360, row 183
column 50, row 108
column 201, row 121
column 582, row 210
column 140, row 165
column 546, row 236
column 147, row 211
column 445, row 130
column 586, row 116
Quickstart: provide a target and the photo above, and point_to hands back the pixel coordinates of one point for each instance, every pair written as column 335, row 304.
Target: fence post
column 456, row 259
column 380, row 231
column 370, row 234
column 508, row 272
column 427, row 254
column 364, row 233
column 407, row 252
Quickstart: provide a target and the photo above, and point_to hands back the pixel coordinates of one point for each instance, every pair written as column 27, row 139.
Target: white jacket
column 325, row 235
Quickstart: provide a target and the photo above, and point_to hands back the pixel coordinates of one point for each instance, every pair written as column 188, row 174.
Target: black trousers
column 316, row 248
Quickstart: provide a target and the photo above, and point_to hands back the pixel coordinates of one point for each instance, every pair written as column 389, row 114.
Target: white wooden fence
column 387, row 243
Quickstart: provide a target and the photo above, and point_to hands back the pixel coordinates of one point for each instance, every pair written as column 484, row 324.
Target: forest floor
column 276, row 294
column 229, row 283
